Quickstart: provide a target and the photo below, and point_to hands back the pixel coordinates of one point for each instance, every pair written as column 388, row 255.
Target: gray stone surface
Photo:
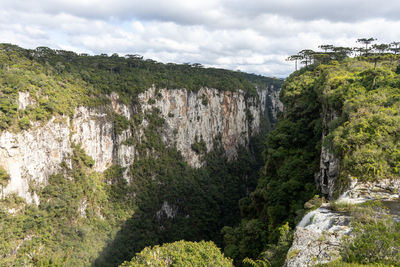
column 31, row 156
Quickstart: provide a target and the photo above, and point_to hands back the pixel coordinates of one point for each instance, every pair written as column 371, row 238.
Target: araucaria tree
column 366, row 41
column 295, row 58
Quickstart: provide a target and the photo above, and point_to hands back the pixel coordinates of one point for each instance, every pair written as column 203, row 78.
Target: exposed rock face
column 167, row 211
column 206, row 115
column 32, row 156
column 328, row 172
column 94, row 130
column 325, row 179
column 24, row 100
column 318, row 237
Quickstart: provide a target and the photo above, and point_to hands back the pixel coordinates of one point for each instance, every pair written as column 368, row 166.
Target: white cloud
column 254, row 36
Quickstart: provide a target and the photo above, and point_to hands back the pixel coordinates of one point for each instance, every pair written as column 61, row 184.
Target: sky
column 254, row 36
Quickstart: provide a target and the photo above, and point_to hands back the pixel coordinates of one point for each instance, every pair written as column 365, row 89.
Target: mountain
column 329, row 190
column 109, row 160
column 102, row 156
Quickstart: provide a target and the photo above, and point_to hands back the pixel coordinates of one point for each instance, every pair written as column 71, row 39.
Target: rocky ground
column 318, row 237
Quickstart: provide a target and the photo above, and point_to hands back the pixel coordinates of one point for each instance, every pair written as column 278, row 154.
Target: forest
column 363, row 92
column 120, row 218
column 248, row 207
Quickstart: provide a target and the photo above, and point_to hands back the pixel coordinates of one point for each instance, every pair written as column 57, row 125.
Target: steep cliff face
column 325, row 178
column 31, row 156
column 360, row 179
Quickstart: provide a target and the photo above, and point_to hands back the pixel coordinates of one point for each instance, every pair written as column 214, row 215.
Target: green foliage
column 180, row 253
column 256, row 263
column 202, row 200
column 245, row 240
column 24, row 123
column 363, row 101
column 4, row 179
column 376, row 242
column 204, row 100
column 89, row 218
column 287, row 180
column 276, row 253
column 102, row 219
column 121, row 123
column 58, row 81
column 199, row 147
column 80, row 157
column 366, row 136
column 59, row 231
column 376, row 236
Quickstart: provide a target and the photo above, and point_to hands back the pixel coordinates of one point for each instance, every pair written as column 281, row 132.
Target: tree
column 326, row 47
column 295, row 58
column 366, row 41
column 395, row 47
column 4, row 179
column 381, row 48
column 307, row 56
column 341, row 52
column 322, row 58
column 360, row 50
column 181, row 253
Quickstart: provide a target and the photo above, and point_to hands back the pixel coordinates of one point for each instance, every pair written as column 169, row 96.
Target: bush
column 375, row 242
column 24, row 123
column 4, row 179
column 180, row 253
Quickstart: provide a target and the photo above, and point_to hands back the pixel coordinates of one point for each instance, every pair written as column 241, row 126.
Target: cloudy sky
column 249, row 35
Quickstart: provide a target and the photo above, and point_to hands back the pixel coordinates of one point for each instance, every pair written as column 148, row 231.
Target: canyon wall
column 31, row 156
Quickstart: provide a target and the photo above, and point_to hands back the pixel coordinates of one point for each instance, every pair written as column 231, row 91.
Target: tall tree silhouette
column 307, row 56
column 295, row 58
column 395, row 47
column 381, row 48
column 366, row 41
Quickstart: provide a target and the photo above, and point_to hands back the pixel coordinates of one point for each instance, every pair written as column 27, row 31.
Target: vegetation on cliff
column 167, row 200
column 58, row 81
column 89, row 218
column 360, row 99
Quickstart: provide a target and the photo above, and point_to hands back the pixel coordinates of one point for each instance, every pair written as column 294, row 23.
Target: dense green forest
column 211, row 202
column 363, row 94
column 120, row 218
column 59, row 80
column 181, row 253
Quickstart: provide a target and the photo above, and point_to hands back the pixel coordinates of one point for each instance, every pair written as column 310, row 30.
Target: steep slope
column 101, row 156
column 359, row 167
column 108, row 135
column 337, row 140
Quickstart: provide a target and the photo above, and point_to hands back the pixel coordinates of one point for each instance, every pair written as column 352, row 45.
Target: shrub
column 180, row 253
column 24, row 123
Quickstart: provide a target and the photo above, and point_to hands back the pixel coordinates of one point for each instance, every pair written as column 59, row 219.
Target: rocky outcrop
column 31, row 156
column 93, row 129
column 24, row 100
column 325, row 178
column 328, row 173
column 319, row 236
